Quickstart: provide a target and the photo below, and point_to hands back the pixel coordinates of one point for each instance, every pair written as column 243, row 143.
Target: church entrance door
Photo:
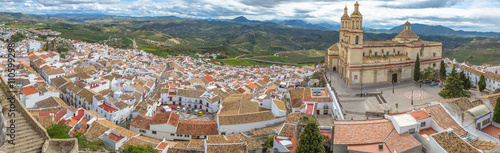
column 395, row 77
column 334, row 68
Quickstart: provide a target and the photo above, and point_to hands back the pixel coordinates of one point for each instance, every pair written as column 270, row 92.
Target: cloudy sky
column 471, row 15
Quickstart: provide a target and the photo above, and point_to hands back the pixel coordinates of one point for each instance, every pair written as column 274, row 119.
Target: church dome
column 407, row 34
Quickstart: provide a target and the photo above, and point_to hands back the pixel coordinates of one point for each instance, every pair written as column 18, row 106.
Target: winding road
column 135, row 46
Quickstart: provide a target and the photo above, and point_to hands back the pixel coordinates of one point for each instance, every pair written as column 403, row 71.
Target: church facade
column 372, row 63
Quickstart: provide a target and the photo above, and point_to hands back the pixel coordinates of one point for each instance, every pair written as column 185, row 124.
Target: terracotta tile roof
column 117, row 128
column 197, row 127
column 221, row 139
column 232, row 148
column 91, row 112
column 296, row 96
column 453, row 143
column 190, row 93
column 141, row 121
column 115, row 137
column 444, row 120
column 492, row 76
column 252, row 143
column 135, row 141
column 87, row 94
column 96, row 129
column 168, row 117
column 238, row 104
column 288, row 130
column 196, row 144
column 280, row 105
column 233, row 119
column 180, row 145
column 51, row 102
column 59, row 81
column 260, row 131
column 401, row 142
column 162, row 145
column 241, row 90
column 484, row 145
column 293, row 118
column 362, row 132
column 29, row 90
column 45, row 121
column 209, row 78
column 251, row 85
column 471, row 70
column 421, row 114
column 465, row 104
column 153, row 140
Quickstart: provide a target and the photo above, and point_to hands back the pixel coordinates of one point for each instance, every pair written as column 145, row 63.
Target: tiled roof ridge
column 385, row 139
column 137, row 137
column 373, row 121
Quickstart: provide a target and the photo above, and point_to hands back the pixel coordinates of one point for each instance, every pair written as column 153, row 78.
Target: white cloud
column 461, row 14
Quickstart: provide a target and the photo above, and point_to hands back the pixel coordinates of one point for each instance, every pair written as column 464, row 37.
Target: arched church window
column 382, row 51
column 370, row 52
column 394, row 51
column 375, row 53
column 363, row 53
column 421, row 52
column 357, row 40
column 387, row 53
column 398, row 52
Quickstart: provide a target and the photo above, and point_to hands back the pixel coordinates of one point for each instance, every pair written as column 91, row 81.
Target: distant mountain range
column 420, row 29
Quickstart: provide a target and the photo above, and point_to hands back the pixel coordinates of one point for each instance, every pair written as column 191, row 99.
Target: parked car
column 190, row 109
column 196, row 112
column 427, row 81
column 178, row 108
column 474, row 86
column 183, row 109
column 200, row 113
column 434, row 83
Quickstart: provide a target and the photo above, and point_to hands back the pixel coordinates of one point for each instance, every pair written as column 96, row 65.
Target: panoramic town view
column 249, row 76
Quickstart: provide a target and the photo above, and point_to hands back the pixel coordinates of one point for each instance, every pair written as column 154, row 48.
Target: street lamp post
column 392, row 86
column 361, row 95
column 411, row 97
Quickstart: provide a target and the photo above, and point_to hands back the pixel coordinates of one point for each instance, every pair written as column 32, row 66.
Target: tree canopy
column 442, row 71
column 311, row 139
column 453, row 86
column 482, row 83
column 416, row 72
column 465, row 81
column 59, row 131
column 496, row 111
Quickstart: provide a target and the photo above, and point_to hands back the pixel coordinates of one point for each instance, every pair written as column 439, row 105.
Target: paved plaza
column 356, row 107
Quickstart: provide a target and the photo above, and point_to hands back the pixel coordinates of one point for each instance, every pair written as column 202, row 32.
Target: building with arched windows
column 373, row 63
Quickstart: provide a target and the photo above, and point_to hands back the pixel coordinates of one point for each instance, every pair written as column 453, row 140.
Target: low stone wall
column 21, row 109
column 63, row 146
